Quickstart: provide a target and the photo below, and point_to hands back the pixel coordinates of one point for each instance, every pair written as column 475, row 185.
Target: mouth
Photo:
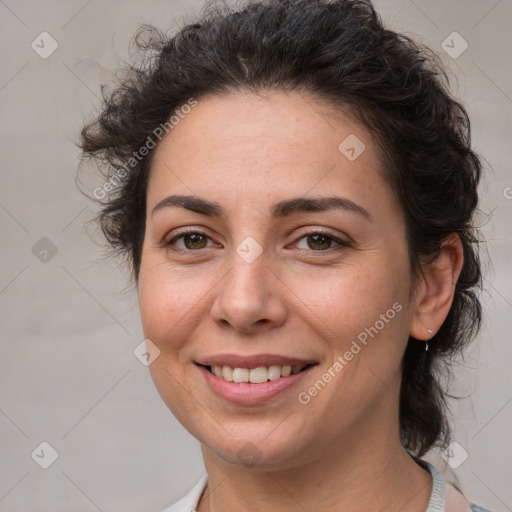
column 257, row 375
column 252, row 380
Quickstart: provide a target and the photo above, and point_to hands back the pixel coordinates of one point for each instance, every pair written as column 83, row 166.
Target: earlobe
column 435, row 293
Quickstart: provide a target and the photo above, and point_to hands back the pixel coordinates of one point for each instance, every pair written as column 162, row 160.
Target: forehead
column 218, row 122
column 265, row 145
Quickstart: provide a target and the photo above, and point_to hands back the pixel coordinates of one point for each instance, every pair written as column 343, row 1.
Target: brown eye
column 192, row 241
column 319, row 242
column 195, row 241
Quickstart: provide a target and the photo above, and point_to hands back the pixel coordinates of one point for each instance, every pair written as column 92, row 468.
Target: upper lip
column 237, row 361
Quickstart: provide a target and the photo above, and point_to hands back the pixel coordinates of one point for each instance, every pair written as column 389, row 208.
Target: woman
column 294, row 189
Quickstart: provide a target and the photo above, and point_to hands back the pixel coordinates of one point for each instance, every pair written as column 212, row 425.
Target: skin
column 300, row 297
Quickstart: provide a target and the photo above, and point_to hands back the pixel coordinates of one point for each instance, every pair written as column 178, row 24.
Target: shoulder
column 190, row 501
column 478, row 508
column 446, row 496
column 456, row 502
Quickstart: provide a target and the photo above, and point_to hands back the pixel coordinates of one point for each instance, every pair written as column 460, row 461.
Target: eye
column 319, row 241
column 190, row 241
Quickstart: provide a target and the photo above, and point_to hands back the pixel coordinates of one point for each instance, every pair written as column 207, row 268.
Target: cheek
column 169, row 308
column 168, row 300
column 157, row 306
column 361, row 316
column 350, row 299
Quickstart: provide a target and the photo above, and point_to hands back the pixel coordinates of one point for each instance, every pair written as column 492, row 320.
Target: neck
column 365, row 471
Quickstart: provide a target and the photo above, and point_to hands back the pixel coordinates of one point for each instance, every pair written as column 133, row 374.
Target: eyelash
column 341, row 243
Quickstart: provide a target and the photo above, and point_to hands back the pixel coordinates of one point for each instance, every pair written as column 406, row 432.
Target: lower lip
column 246, row 393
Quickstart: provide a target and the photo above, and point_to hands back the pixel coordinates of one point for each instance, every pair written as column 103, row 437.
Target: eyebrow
column 279, row 210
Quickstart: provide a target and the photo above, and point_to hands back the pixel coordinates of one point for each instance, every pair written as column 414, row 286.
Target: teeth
column 257, row 375
column 254, row 375
column 274, row 372
column 240, row 375
column 296, row 369
column 227, row 373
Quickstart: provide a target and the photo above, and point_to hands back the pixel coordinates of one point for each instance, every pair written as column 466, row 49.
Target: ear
column 434, row 293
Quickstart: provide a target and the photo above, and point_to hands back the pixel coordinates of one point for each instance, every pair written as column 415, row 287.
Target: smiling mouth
column 258, row 375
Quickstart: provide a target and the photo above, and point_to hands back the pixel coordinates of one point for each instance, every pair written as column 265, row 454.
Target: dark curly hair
column 340, row 52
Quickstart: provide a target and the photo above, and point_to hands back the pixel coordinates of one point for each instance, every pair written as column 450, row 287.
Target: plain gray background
column 68, row 327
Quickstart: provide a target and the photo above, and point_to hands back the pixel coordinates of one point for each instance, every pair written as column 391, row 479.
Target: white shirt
column 443, row 498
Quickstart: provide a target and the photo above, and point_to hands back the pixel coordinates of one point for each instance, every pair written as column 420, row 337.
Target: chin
column 259, row 452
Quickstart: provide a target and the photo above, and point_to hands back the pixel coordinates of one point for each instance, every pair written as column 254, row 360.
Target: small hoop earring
column 426, row 341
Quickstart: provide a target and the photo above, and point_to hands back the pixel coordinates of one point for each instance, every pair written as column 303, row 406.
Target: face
column 267, row 245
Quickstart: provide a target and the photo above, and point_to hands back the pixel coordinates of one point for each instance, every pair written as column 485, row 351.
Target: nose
column 249, row 297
